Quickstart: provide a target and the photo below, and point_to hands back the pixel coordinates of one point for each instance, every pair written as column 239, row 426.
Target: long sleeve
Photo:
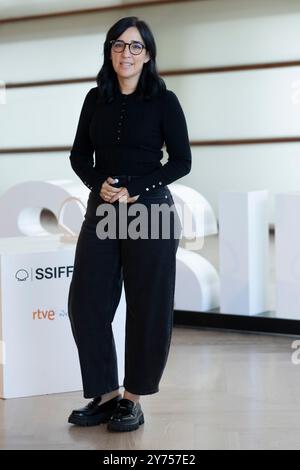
column 81, row 156
column 176, row 138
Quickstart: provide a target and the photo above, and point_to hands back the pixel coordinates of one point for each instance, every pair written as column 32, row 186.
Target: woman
column 126, row 119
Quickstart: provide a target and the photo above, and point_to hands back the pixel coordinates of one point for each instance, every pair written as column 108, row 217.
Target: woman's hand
column 111, row 194
column 123, row 196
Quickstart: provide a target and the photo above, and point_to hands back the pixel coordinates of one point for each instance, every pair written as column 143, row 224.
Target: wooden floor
column 220, row 390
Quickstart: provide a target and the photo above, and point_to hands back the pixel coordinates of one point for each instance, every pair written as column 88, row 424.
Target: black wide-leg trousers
column 147, row 267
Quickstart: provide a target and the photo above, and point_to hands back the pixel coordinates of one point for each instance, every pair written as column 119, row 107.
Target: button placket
column 121, row 119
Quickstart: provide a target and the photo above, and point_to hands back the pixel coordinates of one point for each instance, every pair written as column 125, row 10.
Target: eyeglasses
column 135, row 47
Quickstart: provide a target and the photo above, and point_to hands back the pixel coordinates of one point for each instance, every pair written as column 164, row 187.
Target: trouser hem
column 98, row 394
column 136, row 391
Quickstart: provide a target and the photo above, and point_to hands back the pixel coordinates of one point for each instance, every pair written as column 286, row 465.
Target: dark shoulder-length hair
column 150, row 83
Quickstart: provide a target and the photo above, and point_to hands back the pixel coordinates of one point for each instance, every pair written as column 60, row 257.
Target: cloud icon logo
column 22, row 275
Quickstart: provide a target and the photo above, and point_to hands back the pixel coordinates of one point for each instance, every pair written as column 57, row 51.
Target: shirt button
column 153, row 186
column 147, row 189
column 160, row 182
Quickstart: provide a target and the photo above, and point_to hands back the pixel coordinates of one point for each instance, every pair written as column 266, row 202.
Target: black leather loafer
column 127, row 416
column 94, row 412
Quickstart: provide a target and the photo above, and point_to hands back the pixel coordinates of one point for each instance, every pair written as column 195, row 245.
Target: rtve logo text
column 49, row 272
column 51, row 315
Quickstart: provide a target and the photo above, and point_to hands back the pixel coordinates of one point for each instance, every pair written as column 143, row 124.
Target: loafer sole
column 125, row 427
column 90, row 420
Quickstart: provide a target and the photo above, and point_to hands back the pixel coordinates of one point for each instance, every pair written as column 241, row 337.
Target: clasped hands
column 111, row 194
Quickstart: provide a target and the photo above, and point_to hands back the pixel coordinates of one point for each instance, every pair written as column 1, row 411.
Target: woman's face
column 126, row 64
